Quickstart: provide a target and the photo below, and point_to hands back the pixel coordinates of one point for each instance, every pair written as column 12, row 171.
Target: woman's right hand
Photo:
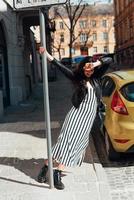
column 41, row 50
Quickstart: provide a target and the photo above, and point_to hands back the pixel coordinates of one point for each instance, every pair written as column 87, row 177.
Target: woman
column 74, row 136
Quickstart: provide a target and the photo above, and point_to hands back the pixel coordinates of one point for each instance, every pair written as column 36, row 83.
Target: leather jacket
column 81, row 89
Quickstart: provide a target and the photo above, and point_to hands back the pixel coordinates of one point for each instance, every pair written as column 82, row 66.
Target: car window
column 128, row 91
column 108, row 86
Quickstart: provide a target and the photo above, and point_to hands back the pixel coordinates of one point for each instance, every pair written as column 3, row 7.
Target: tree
column 57, row 48
column 73, row 12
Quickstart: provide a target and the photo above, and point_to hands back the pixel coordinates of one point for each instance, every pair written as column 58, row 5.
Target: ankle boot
column 42, row 174
column 57, row 180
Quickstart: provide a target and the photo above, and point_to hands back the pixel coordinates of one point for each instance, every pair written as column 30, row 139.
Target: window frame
column 107, row 91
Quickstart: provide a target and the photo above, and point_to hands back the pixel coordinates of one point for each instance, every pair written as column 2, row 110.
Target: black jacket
column 81, row 88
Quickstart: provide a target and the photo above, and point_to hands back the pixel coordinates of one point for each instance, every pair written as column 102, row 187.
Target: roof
column 125, row 75
column 90, row 10
column 122, row 77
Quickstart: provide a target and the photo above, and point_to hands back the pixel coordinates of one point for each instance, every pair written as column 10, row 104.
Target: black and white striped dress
column 74, row 136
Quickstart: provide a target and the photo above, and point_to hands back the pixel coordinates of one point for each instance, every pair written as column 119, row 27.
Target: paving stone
column 23, row 147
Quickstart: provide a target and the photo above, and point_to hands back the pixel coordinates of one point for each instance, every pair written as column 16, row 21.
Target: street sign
column 22, row 4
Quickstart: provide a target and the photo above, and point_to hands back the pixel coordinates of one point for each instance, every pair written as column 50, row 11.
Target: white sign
column 21, row 4
column 3, row 7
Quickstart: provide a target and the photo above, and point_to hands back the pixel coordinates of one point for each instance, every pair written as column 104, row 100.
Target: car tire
column 111, row 153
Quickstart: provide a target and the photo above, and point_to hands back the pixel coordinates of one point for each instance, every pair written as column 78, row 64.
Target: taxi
column 118, row 98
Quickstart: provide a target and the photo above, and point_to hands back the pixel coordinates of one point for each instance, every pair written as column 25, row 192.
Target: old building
column 11, row 71
column 19, row 72
column 94, row 27
column 124, row 32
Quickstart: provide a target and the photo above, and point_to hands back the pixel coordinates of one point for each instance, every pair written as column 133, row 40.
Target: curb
column 103, row 185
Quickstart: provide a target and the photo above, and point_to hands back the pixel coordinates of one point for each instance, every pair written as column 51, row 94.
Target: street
column 24, row 125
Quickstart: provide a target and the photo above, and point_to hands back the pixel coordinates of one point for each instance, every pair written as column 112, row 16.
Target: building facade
column 20, row 68
column 12, row 82
column 124, row 32
column 95, row 28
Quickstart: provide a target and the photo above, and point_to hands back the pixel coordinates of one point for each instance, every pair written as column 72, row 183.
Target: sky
column 93, row 1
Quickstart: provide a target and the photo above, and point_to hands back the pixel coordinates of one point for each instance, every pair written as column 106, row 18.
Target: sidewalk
column 23, row 148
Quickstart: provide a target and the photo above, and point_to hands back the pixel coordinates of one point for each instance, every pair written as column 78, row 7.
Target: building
column 19, row 64
column 124, row 32
column 95, row 28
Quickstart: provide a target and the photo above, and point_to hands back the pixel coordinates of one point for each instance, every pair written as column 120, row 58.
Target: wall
column 15, row 44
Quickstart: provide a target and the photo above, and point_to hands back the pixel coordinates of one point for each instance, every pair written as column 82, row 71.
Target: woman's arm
column 102, row 67
column 67, row 72
column 43, row 50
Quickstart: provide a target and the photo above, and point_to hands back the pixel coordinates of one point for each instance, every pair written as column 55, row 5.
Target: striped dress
column 74, row 136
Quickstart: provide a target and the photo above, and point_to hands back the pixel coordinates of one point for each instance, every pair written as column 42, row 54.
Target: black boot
column 42, row 175
column 57, row 180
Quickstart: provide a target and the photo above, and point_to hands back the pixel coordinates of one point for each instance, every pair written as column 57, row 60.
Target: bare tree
column 57, row 48
column 73, row 12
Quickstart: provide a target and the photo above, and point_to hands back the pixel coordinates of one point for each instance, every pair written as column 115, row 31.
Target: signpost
column 22, row 4
column 40, row 4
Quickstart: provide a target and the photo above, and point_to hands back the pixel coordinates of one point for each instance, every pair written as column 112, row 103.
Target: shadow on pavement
column 30, row 167
column 24, row 183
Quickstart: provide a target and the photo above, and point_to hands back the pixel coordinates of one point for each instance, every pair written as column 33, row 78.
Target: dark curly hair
column 79, row 72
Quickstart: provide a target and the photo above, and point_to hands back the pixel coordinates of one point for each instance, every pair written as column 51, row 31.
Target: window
column 131, row 28
column 95, row 49
column 107, row 86
column 94, row 36
column 105, row 49
column 62, row 51
column 61, row 25
column 93, row 23
column 83, row 37
column 83, row 24
column 62, row 37
column 105, row 36
column 128, row 91
column 73, row 51
column 104, row 23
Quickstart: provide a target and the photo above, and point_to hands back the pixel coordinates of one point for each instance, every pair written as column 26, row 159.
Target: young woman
column 74, row 135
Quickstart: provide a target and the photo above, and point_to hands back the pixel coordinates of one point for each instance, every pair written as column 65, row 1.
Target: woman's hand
column 43, row 50
column 88, row 69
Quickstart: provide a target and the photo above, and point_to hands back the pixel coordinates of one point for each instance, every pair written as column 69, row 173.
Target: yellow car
column 118, row 98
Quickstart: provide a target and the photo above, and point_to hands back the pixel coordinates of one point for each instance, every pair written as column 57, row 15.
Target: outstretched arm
column 67, row 72
column 43, row 50
column 103, row 65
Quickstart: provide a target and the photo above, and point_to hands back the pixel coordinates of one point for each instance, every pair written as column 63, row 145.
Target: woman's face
column 88, row 70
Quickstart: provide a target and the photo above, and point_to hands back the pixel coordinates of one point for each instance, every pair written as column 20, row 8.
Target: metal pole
column 46, row 97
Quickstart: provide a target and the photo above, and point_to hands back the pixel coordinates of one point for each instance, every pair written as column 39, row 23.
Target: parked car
column 118, row 97
column 77, row 59
column 97, row 56
column 66, row 61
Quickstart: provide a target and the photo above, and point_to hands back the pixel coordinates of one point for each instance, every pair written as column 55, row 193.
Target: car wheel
column 111, row 153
